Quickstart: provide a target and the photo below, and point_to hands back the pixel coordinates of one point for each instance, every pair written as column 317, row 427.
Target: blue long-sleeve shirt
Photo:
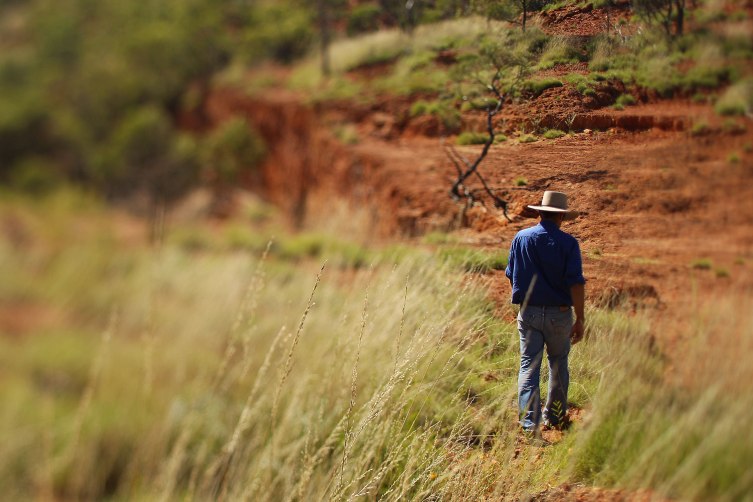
column 550, row 255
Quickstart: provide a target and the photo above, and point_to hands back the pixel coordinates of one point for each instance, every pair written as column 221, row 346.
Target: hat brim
column 569, row 214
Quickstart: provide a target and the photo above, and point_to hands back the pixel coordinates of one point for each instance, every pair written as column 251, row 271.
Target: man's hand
column 576, row 334
column 578, row 293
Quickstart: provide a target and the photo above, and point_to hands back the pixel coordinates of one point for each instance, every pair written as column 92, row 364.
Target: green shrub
column 35, row 175
column 733, row 158
column 554, row 134
column 702, row 264
column 559, row 50
column 446, row 113
column 732, row 126
column 278, row 31
column 232, row 148
column 145, row 153
column 419, row 108
column 527, row 138
column 536, row 87
column 520, row 182
column 625, row 100
column 363, row 18
column 472, row 138
column 347, row 134
column 736, row 100
column 699, row 128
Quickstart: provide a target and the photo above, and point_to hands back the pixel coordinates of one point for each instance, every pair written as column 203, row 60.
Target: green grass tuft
column 472, row 138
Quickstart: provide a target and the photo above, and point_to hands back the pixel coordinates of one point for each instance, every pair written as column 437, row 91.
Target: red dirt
column 579, row 493
column 653, row 202
column 584, row 21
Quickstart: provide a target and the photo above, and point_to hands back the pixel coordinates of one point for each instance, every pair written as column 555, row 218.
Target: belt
column 562, row 308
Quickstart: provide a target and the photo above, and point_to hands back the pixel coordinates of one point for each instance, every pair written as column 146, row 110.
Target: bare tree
column 499, row 70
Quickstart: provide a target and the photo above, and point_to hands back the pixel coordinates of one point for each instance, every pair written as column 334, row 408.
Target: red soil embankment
column 653, row 202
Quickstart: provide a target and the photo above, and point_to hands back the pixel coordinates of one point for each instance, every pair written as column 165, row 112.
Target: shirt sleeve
column 574, row 269
column 510, row 261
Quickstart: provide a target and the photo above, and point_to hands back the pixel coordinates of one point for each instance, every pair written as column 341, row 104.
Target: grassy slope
column 700, row 65
column 200, row 369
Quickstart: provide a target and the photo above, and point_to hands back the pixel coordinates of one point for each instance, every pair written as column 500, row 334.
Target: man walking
column 546, row 275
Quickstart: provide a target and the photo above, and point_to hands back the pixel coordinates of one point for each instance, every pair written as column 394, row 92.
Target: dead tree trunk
column 472, row 168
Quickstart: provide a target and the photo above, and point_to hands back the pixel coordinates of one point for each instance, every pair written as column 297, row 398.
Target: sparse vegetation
column 625, row 100
column 471, row 138
column 536, row 87
column 553, row 134
column 448, row 116
column 699, row 128
column 527, row 138
column 702, row 264
column 736, row 100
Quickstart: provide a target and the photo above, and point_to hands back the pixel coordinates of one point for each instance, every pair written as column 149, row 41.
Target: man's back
column 550, row 259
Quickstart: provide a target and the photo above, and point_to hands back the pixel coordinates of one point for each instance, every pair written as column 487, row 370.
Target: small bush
column 478, row 104
column 736, row 100
column 732, row 126
column 36, row 176
column 702, row 264
column 363, row 18
column 733, row 158
column 625, row 100
column 499, row 138
column 721, row 273
column 231, row 148
column 472, row 138
column 699, row 129
column 527, row 138
column 536, row 87
column 419, row 108
column 618, row 107
column 559, row 50
column 347, row 134
column 554, row 134
column 446, row 114
column 520, row 182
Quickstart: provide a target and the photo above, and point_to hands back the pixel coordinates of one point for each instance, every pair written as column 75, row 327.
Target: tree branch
column 473, row 168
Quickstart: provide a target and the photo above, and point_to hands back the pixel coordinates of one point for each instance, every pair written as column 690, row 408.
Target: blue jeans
column 540, row 327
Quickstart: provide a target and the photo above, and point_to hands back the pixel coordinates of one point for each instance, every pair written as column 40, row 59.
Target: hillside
column 653, row 179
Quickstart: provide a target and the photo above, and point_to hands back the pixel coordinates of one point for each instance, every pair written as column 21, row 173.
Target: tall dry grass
column 265, row 378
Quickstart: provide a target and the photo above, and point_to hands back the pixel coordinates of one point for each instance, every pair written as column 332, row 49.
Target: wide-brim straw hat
column 555, row 202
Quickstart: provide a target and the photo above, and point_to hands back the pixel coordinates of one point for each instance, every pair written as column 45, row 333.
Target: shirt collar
column 549, row 226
